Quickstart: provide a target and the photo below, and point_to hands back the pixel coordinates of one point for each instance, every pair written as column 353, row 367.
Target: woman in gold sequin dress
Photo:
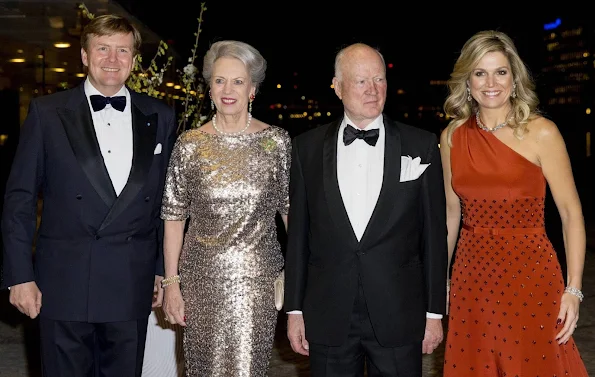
column 230, row 178
column 510, row 313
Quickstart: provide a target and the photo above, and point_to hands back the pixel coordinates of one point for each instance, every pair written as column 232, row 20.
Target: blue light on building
column 552, row 25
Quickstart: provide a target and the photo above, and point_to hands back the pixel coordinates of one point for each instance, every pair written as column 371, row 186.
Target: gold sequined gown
column 506, row 282
column 231, row 188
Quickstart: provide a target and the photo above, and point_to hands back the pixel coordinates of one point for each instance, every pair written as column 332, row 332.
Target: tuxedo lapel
column 144, row 130
column 78, row 125
column 390, row 181
column 331, row 183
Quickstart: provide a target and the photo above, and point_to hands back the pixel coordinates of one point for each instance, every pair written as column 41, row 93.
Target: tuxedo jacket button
column 79, row 197
column 128, row 239
column 97, row 237
column 147, row 199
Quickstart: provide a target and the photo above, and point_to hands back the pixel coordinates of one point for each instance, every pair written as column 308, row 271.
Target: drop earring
column 250, row 104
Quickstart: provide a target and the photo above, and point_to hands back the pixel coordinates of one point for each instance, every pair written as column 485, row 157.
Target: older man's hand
column 433, row 336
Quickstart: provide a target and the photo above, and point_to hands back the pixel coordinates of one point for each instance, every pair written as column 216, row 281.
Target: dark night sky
column 304, row 38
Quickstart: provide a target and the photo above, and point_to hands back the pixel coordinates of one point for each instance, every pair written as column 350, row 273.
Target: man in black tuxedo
column 366, row 257
column 97, row 154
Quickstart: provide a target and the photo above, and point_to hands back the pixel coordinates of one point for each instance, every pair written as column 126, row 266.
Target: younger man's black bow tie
column 369, row 136
column 98, row 102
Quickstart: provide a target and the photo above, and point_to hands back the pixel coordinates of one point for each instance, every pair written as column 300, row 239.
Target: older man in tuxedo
column 366, row 255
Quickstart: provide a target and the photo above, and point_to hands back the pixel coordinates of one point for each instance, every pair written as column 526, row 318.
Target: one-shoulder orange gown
column 506, row 282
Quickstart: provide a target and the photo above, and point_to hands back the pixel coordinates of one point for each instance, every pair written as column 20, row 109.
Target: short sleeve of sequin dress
column 230, row 189
column 506, row 282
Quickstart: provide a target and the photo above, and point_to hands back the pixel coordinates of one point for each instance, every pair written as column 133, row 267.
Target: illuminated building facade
column 566, row 80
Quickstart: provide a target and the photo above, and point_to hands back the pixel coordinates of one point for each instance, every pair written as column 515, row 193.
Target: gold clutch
column 279, row 290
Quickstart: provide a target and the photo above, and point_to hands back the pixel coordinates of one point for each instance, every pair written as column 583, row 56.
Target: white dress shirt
column 114, row 135
column 360, row 170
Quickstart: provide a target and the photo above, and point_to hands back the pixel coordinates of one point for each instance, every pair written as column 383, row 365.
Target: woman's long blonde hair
column 459, row 109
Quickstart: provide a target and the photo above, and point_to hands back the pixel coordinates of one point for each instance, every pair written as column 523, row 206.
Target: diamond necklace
column 480, row 125
column 214, row 120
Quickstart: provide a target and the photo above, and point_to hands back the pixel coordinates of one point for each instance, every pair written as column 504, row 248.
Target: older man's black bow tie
column 98, row 102
column 369, row 136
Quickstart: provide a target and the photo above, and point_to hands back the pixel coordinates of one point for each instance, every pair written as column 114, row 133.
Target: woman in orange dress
column 510, row 312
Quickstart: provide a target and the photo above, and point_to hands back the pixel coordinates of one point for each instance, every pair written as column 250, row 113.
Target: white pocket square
column 157, row 149
column 411, row 168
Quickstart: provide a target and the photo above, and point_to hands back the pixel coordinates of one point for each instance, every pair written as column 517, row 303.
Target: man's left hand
column 433, row 336
column 157, row 292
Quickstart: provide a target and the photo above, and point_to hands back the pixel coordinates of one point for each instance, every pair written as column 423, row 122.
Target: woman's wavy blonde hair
column 456, row 106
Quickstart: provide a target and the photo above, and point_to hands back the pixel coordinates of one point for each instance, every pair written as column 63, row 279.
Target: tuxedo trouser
column 82, row 349
column 361, row 350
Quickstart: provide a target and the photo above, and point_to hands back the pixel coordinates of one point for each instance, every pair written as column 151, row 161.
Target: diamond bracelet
column 170, row 280
column 575, row 291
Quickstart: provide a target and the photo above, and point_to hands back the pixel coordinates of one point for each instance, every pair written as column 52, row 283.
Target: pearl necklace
column 231, row 133
column 480, row 125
